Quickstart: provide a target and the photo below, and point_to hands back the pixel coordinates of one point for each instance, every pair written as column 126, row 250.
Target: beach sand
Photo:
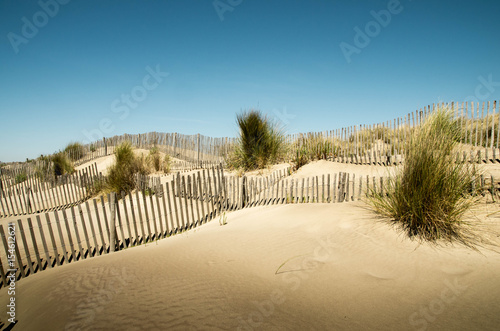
column 287, row 267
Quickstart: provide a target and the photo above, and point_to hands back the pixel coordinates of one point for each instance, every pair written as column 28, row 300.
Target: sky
column 78, row 71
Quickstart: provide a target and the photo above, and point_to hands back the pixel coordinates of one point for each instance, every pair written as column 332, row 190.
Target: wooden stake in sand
column 112, row 237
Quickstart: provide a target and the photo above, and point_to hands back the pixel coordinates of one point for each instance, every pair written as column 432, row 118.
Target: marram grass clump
column 156, row 163
column 121, row 175
column 429, row 195
column 62, row 164
column 261, row 142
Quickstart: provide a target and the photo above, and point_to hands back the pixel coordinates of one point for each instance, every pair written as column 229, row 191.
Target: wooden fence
column 381, row 143
column 33, row 195
column 109, row 223
column 196, row 148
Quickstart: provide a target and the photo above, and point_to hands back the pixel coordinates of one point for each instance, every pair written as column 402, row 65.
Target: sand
column 285, row 267
column 344, row 270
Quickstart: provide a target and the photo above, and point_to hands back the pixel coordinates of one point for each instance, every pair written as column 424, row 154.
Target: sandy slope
column 103, row 163
column 344, row 270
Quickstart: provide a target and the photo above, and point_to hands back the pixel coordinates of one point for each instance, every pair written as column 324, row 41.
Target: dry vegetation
column 430, row 194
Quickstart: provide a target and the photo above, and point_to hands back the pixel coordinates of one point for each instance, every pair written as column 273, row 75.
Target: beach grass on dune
column 430, row 193
column 261, row 142
column 121, row 175
column 156, row 163
column 62, row 164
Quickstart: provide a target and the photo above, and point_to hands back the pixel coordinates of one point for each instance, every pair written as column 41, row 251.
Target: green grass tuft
column 21, row 177
column 121, row 175
column 430, row 193
column 261, row 142
column 62, row 164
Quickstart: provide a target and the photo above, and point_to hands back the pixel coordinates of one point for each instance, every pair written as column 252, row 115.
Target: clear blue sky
column 83, row 68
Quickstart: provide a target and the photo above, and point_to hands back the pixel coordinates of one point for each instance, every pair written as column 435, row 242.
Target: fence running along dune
column 68, row 227
column 110, row 223
column 33, row 195
column 381, row 143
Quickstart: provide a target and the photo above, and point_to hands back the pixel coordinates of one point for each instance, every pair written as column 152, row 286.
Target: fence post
column 112, row 233
column 244, row 192
column 198, row 145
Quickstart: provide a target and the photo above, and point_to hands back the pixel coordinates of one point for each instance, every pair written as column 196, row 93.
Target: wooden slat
column 100, row 228
column 52, row 239
column 35, row 245
column 70, row 238
column 141, row 222
column 25, row 246
column 44, row 243
column 6, row 246
column 147, row 219
column 153, row 216
column 77, row 233
column 85, row 232
column 127, row 221
column 158, row 208
column 112, row 226
column 105, row 217
column 201, row 197
column 92, row 229
column 120, row 224
column 178, row 225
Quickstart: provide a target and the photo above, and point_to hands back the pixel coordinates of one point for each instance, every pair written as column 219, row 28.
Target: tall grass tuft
column 430, row 193
column 121, row 175
column 154, row 159
column 156, row 163
column 167, row 164
column 21, row 177
column 261, row 142
column 62, row 164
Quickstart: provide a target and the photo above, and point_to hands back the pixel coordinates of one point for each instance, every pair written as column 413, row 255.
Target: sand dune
column 344, row 270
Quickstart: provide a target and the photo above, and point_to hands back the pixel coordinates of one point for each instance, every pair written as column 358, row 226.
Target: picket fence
column 33, row 195
column 109, row 223
column 380, row 143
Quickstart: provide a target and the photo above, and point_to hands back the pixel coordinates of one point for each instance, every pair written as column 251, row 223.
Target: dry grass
column 428, row 197
column 261, row 142
column 121, row 175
